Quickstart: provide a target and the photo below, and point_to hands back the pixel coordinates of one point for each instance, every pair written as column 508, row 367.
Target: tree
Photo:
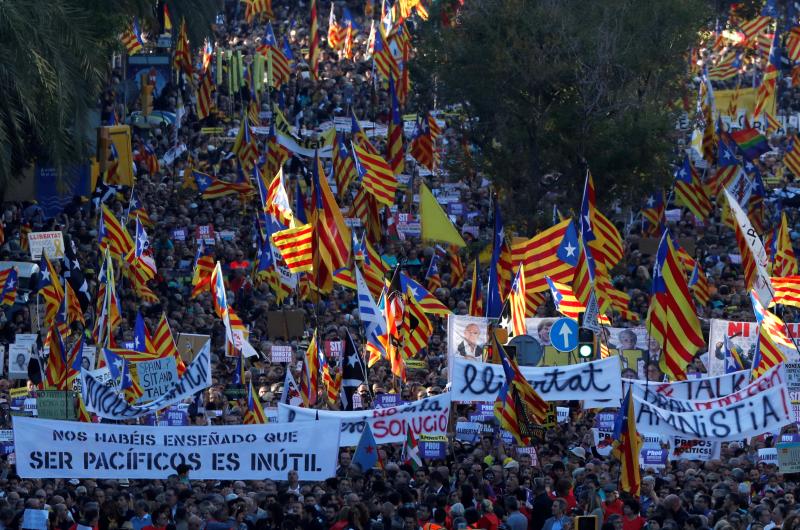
column 56, row 56
column 555, row 85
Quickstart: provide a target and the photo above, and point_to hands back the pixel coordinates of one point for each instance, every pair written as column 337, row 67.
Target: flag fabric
column 359, row 137
column 372, row 319
column 205, row 96
column 366, row 455
column 333, row 237
column 672, row 318
column 411, row 454
column 784, row 262
column 277, row 154
column 395, row 150
column 435, row 224
column 333, row 30
column 254, row 414
column 8, row 281
column 235, row 331
column 309, row 379
column 167, row 20
column 765, row 98
column 245, row 145
column 476, row 295
column 689, row 191
column 518, row 406
column 291, row 390
column 331, row 380
column 433, row 276
column 772, row 335
column 277, row 200
column 699, row 285
column 272, row 52
column 429, row 303
column 344, row 169
column 376, row 175
column 132, row 38
column 214, row 188
column 141, row 257
column 259, row 8
column 457, row 269
column 793, row 44
column 353, row 372
column 552, row 252
column 653, row 214
column 113, row 235
column 417, row 328
column 203, row 267
column 516, row 303
column 50, row 288
column 56, row 370
column 314, row 51
column 728, row 168
column 182, row 59
column 791, row 157
column 384, row 61
column 296, row 247
column 494, row 297
column 136, row 210
column 583, row 281
column 787, row 291
column 627, row 446
column 164, row 344
column 565, row 301
column 394, row 311
column 108, row 305
column 751, row 142
column 422, row 144
column 773, row 325
column 142, row 342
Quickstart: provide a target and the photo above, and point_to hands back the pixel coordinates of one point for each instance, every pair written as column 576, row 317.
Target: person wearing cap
column 612, row 505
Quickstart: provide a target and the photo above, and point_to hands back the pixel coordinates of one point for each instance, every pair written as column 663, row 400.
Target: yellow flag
column 436, row 226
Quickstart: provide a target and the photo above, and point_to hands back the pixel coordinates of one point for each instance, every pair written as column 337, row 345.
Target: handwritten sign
column 156, row 377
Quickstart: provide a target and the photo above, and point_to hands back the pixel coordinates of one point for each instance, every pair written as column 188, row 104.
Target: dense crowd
column 487, row 484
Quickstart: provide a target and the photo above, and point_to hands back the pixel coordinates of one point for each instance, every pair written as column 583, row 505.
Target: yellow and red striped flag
column 132, row 38
column 516, row 303
column 565, row 301
column 309, row 379
column 183, row 53
column 689, row 190
column 784, row 262
column 417, row 327
column 296, row 246
column 377, row 177
column 314, row 51
column 254, row 414
column 205, row 96
column 476, row 296
column 164, row 344
column 699, row 285
column 765, row 99
column 627, row 446
column 787, row 291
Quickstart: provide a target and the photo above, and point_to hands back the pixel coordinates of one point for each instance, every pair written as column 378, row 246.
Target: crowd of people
column 486, row 484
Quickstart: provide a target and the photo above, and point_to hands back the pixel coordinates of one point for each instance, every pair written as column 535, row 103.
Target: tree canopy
column 552, row 86
column 56, row 57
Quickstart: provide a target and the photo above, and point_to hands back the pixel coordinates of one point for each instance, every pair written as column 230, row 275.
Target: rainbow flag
column 751, row 142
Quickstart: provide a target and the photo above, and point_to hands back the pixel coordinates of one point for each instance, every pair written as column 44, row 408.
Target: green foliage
column 556, row 85
column 56, row 56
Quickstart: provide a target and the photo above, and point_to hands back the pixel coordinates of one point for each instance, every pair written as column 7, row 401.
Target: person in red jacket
column 612, row 505
column 489, row 521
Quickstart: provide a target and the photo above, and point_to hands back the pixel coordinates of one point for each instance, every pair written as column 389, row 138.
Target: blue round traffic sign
column 564, row 334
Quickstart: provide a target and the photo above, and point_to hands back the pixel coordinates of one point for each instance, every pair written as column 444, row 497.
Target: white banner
column 704, row 388
column 742, row 338
column 107, row 403
column 475, row 381
column 427, row 416
column 762, row 285
column 68, row 449
column 723, row 420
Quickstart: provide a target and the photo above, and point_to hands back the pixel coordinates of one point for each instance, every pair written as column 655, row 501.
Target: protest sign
column 722, row 421
column 6, row 441
column 466, row 337
column 384, row 401
column 281, row 354
column 107, row 403
column 172, row 417
column 189, row 344
column 59, row 449
column 742, row 337
column 433, row 450
column 205, row 233
column 18, row 357
column 55, row 404
column 653, row 458
column 156, row 377
column 687, row 449
column 429, row 416
column 768, row 455
column 471, row 431
column 51, row 243
column 334, row 349
column 789, row 457
column 793, row 385
column 475, row 381
column 35, row 519
column 704, row 388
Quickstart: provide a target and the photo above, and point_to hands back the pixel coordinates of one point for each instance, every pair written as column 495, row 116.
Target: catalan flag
column 203, row 267
column 394, row 310
column 205, row 96
column 255, row 8
column 167, row 20
column 787, row 291
column 50, row 288
column 182, row 59
column 359, row 137
column 213, row 188
column 366, row 208
column 272, row 52
column 671, row 317
column 689, row 191
column 331, row 379
column 417, row 327
column 141, row 256
column 772, row 335
column 8, row 291
column 793, row 44
column 751, row 28
column 164, row 344
column 333, row 30
column 791, row 157
column 254, row 414
column 583, row 281
column 108, row 307
column 433, row 277
column 382, row 56
column 553, row 252
column 332, row 246
column 112, row 234
column 314, row 51
column 309, row 380
column 132, row 38
column 296, row 247
column 653, row 214
column 457, row 269
column 476, row 296
column 429, row 303
column 765, row 99
column 422, row 143
column 518, row 406
column 344, row 169
column 56, row 370
column 699, row 285
column 565, row 301
column 376, row 175
column 245, row 145
column 772, row 324
column 627, row 446
column 277, row 200
column 395, row 150
column 516, row 303
column 728, row 168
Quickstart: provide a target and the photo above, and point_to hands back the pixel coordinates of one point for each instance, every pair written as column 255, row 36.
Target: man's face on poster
column 544, row 333
column 472, row 334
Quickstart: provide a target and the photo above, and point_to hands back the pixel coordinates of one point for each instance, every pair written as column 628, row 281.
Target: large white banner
column 742, row 338
column 475, row 381
column 697, row 389
column 758, row 408
column 107, row 403
column 427, row 416
column 68, row 449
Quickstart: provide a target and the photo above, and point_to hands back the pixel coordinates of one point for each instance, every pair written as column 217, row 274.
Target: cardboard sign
column 51, row 243
column 285, row 325
column 190, row 344
column 281, row 354
column 156, row 377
